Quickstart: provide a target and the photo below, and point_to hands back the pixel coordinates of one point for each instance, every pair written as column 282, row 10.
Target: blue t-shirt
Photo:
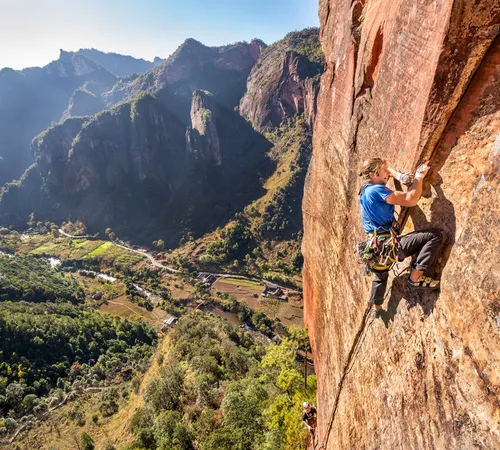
column 375, row 210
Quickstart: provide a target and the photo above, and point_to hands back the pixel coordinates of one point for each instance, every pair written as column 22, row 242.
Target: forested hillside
column 219, row 389
column 50, row 350
column 34, row 280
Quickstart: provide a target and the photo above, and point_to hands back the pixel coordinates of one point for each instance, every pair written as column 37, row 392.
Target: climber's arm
column 412, row 195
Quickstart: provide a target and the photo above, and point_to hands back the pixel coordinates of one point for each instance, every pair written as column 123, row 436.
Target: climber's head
column 374, row 170
column 306, row 406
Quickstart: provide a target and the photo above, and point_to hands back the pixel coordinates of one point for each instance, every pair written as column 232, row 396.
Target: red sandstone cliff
column 407, row 80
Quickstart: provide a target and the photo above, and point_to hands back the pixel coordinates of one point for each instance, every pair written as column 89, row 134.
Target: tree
column 159, row 244
column 110, row 233
column 170, row 433
column 108, row 405
column 54, row 229
column 87, row 442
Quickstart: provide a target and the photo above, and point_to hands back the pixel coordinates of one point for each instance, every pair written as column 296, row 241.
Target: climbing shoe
column 375, row 313
column 424, row 282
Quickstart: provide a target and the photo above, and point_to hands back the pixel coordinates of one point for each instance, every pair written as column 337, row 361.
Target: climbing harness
column 379, row 251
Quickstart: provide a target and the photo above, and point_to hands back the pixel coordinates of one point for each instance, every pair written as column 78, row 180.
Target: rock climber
column 309, row 418
column 377, row 207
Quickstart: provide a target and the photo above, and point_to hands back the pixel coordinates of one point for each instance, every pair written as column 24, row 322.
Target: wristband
column 421, row 171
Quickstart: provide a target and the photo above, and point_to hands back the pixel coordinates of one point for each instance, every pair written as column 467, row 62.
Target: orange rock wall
column 407, row 80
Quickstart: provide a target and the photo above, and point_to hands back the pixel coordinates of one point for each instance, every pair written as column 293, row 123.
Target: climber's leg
column 426, row 246
column 379, row 285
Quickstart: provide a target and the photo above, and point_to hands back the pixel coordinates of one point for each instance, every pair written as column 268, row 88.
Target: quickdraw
column 379, row 251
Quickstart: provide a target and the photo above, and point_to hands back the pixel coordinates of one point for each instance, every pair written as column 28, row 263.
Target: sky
column 33, row 31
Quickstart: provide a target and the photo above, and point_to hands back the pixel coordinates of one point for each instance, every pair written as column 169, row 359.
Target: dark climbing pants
column 424, row 248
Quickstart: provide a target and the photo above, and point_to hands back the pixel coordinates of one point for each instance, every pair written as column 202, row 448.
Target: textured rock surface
column 202, row 138
column 284, row 82
column 407, row 81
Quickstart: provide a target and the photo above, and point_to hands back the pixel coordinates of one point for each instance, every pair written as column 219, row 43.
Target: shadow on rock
column 414, row 296
column 397, row 293
column 442, row 216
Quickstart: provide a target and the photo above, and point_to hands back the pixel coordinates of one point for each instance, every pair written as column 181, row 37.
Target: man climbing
column 309, row 418
column 377, row 207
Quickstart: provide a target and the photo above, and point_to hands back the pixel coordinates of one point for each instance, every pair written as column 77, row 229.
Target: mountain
column 119, row 65
column 408, row 83
column 282, row 107
column 77, row 84
column 32, row 98
column 285, row 81
column 176, row 159
column 128, row 168
column 223, row 71
column 72, row 85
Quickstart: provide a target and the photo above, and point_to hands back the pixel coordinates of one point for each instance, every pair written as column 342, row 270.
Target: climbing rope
column 350, row 362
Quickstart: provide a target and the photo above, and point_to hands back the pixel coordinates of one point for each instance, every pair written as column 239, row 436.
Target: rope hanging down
column 348, row 366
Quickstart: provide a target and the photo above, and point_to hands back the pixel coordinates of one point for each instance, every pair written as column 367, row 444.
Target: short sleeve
column 382, row 191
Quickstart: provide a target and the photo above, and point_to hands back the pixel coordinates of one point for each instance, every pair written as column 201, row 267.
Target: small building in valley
column 273, row 291
column 206, row 278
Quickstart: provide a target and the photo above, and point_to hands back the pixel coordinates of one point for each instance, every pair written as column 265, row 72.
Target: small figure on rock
column 384, row 244
column 309, row 418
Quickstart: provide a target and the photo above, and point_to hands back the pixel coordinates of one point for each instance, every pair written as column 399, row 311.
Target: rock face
column 125, row 162
column 202, row 138
column 407, row 81
column 284, row 83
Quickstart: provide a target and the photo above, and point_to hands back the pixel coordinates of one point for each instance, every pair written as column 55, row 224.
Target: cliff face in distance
column 202, row 138
column 32, row 98
column 407, row 81
column 285, row 81
column 220, row 70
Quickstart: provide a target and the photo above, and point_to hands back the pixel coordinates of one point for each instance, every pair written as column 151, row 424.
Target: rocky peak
column 157, row 61
column 71, row 65
column 119, row 65
column 201, row 137
column 219, row 70
column 284, row 82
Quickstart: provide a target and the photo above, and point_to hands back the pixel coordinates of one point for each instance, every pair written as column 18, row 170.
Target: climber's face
column 382, row 177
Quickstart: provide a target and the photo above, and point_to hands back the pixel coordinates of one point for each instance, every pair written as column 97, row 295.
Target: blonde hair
column 372, row 165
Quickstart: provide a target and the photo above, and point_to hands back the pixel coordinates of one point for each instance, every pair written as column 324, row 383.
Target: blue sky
column 33, row 31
